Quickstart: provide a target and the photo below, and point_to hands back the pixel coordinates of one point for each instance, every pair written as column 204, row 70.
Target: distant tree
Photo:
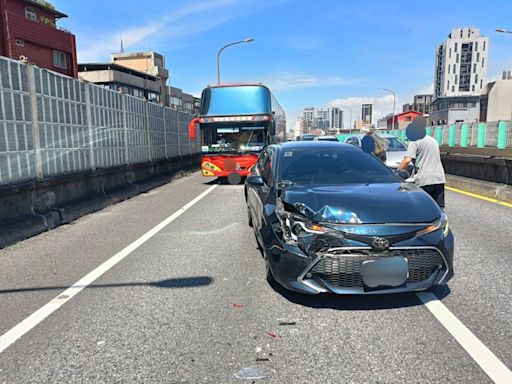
column 46, row 4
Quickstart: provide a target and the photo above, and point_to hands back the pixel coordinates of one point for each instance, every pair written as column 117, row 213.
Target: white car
column 396, row 150
column 326, row 138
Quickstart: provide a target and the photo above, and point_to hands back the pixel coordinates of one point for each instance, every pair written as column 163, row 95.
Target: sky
column 310, row 53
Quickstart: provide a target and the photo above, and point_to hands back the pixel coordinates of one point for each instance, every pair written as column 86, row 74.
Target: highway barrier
column 492, row 134
column 52, row 124
column 69, row 148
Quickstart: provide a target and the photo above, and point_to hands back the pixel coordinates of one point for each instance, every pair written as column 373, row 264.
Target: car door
column 253, row 194
column 266, row 189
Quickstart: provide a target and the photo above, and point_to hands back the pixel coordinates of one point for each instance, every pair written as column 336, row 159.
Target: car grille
column 343, row 270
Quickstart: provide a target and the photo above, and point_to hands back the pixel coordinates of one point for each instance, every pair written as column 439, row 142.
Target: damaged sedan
column 332, row 218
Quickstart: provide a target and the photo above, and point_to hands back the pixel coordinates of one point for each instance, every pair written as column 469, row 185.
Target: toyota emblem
column 380, row 244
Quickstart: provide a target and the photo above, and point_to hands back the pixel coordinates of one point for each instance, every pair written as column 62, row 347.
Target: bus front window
column 233, row 139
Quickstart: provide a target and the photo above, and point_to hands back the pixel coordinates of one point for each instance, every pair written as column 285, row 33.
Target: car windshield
column 327, row 138
column 331, row 165
column 395, row 145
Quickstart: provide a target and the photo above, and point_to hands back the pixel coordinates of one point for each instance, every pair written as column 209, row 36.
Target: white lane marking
column 492, row 366
column 35, row 318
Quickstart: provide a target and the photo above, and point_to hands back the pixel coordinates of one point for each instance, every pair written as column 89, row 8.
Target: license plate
column 390, row 271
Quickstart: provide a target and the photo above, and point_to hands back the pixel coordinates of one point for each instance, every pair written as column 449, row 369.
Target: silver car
column 396, row 150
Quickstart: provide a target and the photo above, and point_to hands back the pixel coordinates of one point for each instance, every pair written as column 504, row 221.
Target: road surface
column 188, row 303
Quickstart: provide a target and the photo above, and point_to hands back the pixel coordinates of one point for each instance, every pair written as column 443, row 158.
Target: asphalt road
column 191, row 304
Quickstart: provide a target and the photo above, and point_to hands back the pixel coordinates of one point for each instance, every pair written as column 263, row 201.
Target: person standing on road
column 430, row 172
column 381, row 144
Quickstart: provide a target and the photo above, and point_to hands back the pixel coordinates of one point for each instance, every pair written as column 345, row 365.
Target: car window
column 261, row 160
column 353, row 141
column 266, row 168
column 395, row 145
column 332, row 166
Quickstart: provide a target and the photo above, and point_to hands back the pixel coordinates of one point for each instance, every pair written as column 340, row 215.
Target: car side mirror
column 403, row 174
column 254, row 180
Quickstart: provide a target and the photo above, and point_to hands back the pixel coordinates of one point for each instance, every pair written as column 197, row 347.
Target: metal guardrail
column 52, row 124
column 494, row 134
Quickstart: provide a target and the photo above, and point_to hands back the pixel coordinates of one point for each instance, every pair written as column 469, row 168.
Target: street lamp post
column 502, row 30
column 249, row 40
column 394, row 99
column 350, row 122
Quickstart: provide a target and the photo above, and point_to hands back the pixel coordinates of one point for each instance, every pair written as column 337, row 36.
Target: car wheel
column 249, row 217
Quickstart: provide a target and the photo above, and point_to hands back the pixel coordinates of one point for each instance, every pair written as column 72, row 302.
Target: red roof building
column 402, row 120
column 29, row 29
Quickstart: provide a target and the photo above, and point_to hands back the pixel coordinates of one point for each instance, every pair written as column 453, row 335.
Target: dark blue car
column 332, row 218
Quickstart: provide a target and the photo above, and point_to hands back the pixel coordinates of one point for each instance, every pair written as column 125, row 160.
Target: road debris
column 237, row 305
column 250, row 373
column 272, row 335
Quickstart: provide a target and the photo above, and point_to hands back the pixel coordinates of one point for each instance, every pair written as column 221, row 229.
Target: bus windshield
column 232, row 138
column 238, row 100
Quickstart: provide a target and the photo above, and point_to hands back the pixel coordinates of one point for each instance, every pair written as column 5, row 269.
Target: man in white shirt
column 430, row 176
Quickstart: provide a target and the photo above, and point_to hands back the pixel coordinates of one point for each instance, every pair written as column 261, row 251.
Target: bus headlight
column 210, row 166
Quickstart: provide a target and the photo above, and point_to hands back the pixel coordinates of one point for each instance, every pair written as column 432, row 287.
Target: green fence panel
column 451, row 136
column 439, row 135
column 429, row 131
column 502, row 135
column 481, row 135
column 464, row 133
column 402, row 135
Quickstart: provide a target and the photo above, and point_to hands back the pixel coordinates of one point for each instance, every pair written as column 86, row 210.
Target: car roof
column 383, row 135
column 311, row 144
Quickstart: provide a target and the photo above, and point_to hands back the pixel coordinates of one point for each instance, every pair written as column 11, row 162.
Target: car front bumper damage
column 320, row 263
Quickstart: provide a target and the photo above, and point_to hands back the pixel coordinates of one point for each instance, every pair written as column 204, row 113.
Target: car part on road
column 250, row 373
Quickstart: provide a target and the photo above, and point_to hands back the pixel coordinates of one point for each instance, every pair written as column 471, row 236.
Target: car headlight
column 293, row 225
column 441, row 224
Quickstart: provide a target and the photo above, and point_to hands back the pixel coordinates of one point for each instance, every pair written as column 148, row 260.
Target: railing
column 52, row 124
column 493, row 134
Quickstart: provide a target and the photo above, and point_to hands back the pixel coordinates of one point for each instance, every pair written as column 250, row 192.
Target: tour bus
column 235, row 122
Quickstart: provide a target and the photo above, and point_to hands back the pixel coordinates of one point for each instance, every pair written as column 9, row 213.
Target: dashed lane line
column 42, row 313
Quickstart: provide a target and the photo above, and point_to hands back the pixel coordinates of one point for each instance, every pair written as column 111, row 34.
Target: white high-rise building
column 300, row 127
column 461, row 64
column 309, row 118
column 331, row 118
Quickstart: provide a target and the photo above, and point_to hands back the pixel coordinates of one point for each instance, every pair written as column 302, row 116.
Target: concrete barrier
column 500, row 192
column 493, row 169
column 29, row 208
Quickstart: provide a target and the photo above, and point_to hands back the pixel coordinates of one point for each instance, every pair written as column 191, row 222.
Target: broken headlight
column 294, row 225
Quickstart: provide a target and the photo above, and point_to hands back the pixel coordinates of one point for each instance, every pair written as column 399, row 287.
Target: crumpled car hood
column 363, row 203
